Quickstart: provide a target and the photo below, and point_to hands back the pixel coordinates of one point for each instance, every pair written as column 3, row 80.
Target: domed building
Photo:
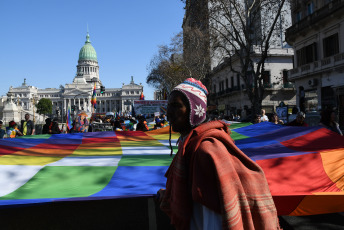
column 79, row 92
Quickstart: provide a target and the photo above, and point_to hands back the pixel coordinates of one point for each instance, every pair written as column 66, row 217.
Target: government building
column 19, row 100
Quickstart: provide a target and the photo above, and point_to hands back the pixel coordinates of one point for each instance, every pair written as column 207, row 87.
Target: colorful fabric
column 69, row 120
column 142, row 97
column 304, row 166
column 209, row 169
column 94, row 96
column 196, row 93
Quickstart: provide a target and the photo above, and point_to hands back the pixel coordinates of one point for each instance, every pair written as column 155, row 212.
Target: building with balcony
column 317, row 37
column 229, row 92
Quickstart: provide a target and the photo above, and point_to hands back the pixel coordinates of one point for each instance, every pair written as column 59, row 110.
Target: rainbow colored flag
column 69, row 120
column 304, row 166
column 94, row 96
column 142, row 97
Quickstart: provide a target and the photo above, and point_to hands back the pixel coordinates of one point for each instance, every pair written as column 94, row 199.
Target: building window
column 227, row 83
column 298, row 16
column 331, row 45
column 222, row 86
column 238, row 81
column 310, row 8
column 266, row 77
column 285, row 76
column 232, row 82
column 214, row 88
column 307, row 54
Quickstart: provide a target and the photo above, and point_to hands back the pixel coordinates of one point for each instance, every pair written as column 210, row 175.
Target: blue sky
column 41, row 39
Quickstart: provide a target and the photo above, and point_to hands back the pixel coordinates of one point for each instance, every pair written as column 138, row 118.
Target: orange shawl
column 211, row 170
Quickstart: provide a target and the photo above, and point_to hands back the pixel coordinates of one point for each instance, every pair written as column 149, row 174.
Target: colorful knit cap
column 196, row 93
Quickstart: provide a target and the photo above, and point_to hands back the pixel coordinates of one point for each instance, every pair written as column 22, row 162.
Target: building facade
column 78, row 93
column 227, row 88
column 317, row 36
column 229, row 93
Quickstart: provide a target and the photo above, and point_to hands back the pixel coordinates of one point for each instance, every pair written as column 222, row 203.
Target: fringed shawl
column 211, row 170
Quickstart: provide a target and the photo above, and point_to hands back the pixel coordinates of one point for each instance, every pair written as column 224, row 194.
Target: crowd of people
column 81, row 123
column 327, row 120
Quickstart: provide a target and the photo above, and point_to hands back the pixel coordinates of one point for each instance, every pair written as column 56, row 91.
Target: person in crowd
column 211, row 184
column 263, row 116
column 81, row 123
column 116, row 125
column 293, row 114
column 12, row 130
column 142, row 125
column 328, row 120
column 163, row 120
column 55, row 127
column 2, row 131
column 275, row 119
column 257, row 119
column 299, row 120
column 157, row 122
column 123, row 125
column 46, row 126
column 27, row 126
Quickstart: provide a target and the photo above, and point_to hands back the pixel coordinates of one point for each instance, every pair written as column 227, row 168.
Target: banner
column 150, row 106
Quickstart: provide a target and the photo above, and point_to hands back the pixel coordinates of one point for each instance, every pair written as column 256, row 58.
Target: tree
column 171, row 65
column 241, row 34
column 166, row 69
column 44, row 106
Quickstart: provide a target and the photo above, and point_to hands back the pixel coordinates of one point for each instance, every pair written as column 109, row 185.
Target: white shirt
column 203, row 218
column 264, row 118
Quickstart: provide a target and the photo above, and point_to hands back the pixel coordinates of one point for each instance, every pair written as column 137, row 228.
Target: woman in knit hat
column 211, row 184
column 81, row 123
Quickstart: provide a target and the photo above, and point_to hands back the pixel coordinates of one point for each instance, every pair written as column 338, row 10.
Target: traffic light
column 73, row 108
column 102, row 89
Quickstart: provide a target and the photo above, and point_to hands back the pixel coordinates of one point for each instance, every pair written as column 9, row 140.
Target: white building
column 223, row 24
column 77, row 93
column 229, row 93
column 317, row 36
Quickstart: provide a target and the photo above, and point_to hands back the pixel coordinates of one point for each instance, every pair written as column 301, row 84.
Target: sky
column 41, row 39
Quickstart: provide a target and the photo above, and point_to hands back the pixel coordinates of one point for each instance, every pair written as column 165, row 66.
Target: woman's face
column 178, row 112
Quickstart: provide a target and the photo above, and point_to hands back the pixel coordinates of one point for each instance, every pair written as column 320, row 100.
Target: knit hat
column 82, row 113
column 196, row 93
column 12, row 123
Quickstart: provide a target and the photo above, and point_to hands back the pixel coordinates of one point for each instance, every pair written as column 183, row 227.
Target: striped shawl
column 211, row 170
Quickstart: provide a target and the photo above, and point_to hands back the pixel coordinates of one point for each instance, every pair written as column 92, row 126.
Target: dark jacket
column 51, row 128
column 29, row 125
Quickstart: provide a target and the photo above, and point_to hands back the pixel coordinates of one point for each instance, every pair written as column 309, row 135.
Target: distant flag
column 94, row 96
column 142, row 97
column 68, row 120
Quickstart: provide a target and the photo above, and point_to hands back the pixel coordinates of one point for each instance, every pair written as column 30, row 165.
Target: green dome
column 87, row 52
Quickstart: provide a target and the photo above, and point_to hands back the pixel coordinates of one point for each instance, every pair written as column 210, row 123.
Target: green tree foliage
column 44, row 106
